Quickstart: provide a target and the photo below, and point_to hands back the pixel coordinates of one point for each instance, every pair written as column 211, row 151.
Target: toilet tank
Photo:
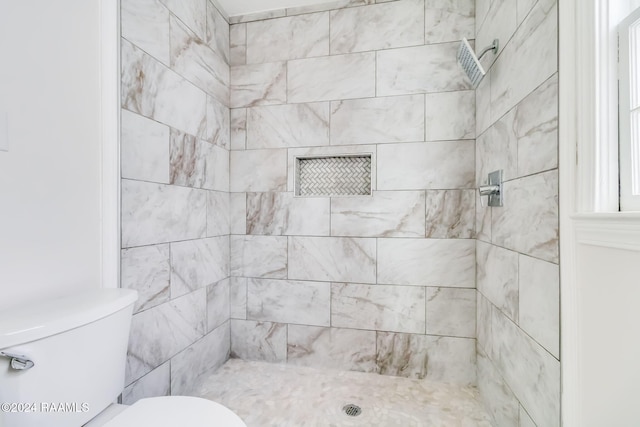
column 78, row 345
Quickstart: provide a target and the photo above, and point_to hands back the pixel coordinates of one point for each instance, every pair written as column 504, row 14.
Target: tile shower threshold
column 266, row 395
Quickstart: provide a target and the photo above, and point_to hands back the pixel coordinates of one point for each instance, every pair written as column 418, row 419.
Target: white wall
column 50, row 178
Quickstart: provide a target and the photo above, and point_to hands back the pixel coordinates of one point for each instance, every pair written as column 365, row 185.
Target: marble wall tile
column 528, row 223
column 451, row 115
column 524, row 7
column 525, row 419
column 259, row 170
column 161, row 332
column 330, row 5
column 451, row 312
column 331, row 77
column 430, row 165
column 497, row 149
column 197, row 163
column 147, row 270
column 482, row 8
column 263, row 341
column 483, row 104
column 484, row 310
column 498, row 399
column 155, row 383
column 259, row 256
column 287, row 38
column 258, row 84
column 218, row 124
column 501, row 24
column 385, row 214
column 145, row 23
column 531, row 372
column 430, row 68
column 378, row 307
column 198, row 263
column 383, row 26
column 144, row 148
column 155, row 213
column 282, row 126
column 483, row 219
column 217, row 32
column 204, row 356
column 536, row 129
column 332, row 348
column 284, row 214
column 449, row 20
column 286, row 301
column 151, row 89
column 536, row 42
column 238, row 128
column 238, row 44
column 238, row 213
column 218, row 209
column 258, row 16
column 497, row 277
column 540, row 302
column 194, row 59
column 450, row 214
column 402, row 355
column 378, row 120
column 427, row 262
column 237, row 298
column 192, row 12
column 337, row 259
column 218, row 306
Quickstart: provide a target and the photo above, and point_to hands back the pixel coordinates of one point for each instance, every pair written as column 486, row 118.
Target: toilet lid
column 176, row 411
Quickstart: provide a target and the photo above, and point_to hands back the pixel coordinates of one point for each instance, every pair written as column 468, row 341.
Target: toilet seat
column 174, row 411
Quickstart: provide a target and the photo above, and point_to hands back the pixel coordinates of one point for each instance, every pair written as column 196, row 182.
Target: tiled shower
column 417, row 279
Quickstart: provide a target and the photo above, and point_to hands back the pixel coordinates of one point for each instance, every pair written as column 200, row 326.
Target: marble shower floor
column 271, row 395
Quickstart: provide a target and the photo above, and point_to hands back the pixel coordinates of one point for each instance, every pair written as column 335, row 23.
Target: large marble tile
column 259, row 256
column 155, row 383
column 444, row 359
column 155, row 213
column 525, row 419
column 218, row 211
column 198, row 263
column 540, row 302
column 331, row 77
column 536, row 129
column 263, row 341
column 403, row 71
column 238, row 44
column 282, row 126
column 144, row 146
column 238, row 213
column 528, row 222
column 145, row 23
column 238, row 128
column 535, row 42
column 498, row 399
column 500, row 23
column 430, row 165
column 427, row 262
column 258, row 84
column 153, row 90
column 450, row 214
column 497, row 149
column 291, row 37
column 193, row 59
column 287, row 301
column 449, row 20
column 378, row 120
column 497, row 277
column 451, row 115
column 483, row 219
column 258, row 16
column 451, row 312
column 217, row 32
column 218, row 306
column 284, row 214
column 484, row 313
column 204, row 356
column 332, row 348
column 259, row 170
column 237, row 298
column 378, row 307
column 482, row 8
column 161, row 332
column 531, row 372
column 192, row 12
column 327, row 5
column 483, row 104
column 198, row 163
column 383, row 26
column 337, row 259
column 218, row 123
column 147, row 270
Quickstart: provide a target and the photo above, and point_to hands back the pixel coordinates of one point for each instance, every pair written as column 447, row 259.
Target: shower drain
column 352, row 410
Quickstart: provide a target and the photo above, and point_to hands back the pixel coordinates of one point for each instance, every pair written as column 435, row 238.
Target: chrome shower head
column 470, row 63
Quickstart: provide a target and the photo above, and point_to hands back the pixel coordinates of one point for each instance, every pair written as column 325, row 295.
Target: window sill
column 618, row 230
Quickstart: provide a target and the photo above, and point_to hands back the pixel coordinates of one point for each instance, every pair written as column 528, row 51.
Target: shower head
column 470, row 63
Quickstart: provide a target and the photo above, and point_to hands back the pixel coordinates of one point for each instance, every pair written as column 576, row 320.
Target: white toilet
column 62, row 364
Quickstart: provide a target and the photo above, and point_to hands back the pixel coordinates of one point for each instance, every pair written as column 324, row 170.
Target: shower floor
column 265, row 395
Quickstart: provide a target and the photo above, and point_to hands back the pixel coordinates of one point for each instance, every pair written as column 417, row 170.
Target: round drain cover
column 352, row 410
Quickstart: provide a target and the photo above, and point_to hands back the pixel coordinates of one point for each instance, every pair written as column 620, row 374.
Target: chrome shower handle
column 493, row 190
column 18, row 362
column 488, row 190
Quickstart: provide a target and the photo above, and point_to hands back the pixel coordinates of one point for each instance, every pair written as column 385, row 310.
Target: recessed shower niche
column 340, row 175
